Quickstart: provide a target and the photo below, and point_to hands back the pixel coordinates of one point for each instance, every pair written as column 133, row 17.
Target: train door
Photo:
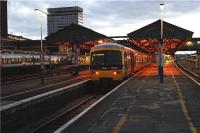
column 132, row 63
column 137, row 61
column 125, row 65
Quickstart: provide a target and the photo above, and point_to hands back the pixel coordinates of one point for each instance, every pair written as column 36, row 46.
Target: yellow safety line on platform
column 123, row 119
column 184, row 109
column 121, row 122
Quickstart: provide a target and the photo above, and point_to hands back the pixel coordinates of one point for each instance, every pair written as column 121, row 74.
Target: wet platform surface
column 143, row 105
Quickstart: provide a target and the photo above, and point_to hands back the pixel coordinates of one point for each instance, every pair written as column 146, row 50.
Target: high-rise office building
column 58, row 18
column 3, row 21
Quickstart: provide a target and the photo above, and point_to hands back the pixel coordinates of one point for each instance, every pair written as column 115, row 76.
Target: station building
column 3, row 19
column 73, row 40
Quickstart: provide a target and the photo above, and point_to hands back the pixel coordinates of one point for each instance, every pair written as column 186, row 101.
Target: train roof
column 111, row 45
column 8, row 55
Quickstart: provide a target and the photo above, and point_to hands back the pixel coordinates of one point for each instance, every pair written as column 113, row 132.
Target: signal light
column 97, row 73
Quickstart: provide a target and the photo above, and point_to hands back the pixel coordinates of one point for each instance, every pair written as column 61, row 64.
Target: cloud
column 109, row 17
column 188, row 21
column 22, row 19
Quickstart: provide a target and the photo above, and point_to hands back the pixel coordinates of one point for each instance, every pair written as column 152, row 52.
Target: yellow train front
column 114, row 62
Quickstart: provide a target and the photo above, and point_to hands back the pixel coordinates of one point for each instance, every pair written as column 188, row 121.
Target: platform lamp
column 41, row 46
column 160, row 46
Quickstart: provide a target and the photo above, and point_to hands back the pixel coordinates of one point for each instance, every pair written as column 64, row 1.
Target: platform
column 143, row 105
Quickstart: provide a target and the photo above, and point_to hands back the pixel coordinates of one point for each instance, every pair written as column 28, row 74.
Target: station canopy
column 148, row 37
column 74, row 34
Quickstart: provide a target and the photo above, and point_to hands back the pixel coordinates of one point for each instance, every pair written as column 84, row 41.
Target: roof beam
column 118, row 37
column 196, row 39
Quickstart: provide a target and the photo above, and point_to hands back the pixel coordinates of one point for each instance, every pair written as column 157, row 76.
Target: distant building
column 12, row 42
column 12, row 37
column 3, row 17
column 58, row 18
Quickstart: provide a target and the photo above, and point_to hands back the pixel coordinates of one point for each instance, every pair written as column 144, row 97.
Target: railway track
column 47, row 112
column 14, row 79
column 54, row 110
column 74, row 119
column 36, row 91
column 195, row 77
column 11, row 80
column 62, row 118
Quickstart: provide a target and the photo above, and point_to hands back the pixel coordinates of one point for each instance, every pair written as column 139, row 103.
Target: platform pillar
column 160, row 61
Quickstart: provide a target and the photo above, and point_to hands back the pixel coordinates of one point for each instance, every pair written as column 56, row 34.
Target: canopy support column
column 160, row 60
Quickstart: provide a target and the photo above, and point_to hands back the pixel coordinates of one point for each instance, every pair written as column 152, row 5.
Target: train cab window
column 106, row 58
column 98, row 58
column 114, row 58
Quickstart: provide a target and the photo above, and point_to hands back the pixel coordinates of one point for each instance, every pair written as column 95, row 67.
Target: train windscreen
column 106, row 59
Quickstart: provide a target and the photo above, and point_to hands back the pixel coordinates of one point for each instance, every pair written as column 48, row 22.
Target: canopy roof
column 153, row 31
column 74, row 34
column 148, row 36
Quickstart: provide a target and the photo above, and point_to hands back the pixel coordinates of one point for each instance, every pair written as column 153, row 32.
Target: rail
column 20, row 104
column 186, row 69
column 62, row 128
column 60, row 117
column 193, row 76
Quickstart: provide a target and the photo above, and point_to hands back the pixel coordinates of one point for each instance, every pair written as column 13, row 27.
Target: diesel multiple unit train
column 111, row 61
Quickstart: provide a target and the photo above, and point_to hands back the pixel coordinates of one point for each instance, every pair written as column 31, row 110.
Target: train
column 13, row 63
column 115, row 62
column 18, row 63
column 9, row 60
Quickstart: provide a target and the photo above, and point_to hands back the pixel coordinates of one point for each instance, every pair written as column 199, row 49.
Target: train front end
column 106, row 64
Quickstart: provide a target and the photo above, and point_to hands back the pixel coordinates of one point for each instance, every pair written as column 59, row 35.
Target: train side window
column 137, row 59
column 142, row 59
column 128, row 59
column 9, row 61
column 19, row 61
column 23, row 60
column 16, row 61
column 13, row 61
column 125, row 59
column 4, row 61
column 28, row 60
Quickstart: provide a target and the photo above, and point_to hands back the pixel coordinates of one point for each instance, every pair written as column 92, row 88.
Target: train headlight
column 114, row 73
column 97, row 73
